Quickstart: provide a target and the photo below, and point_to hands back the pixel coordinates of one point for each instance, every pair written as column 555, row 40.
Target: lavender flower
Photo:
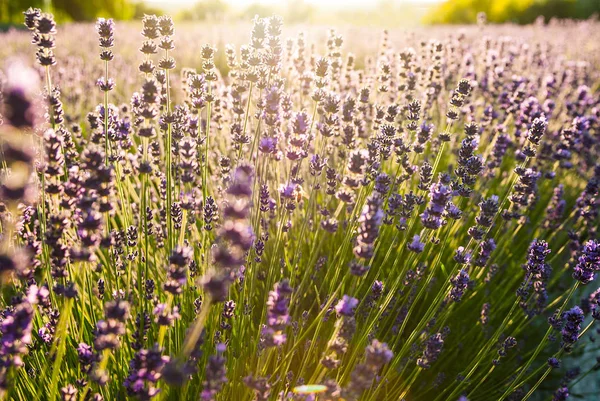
column 439, row 196
column 588, row 263
column 235, row 235
column 15, row 328
column 370, row 220
column 537, row 272
column 346, row 306
column 145, row 369
column 573, row 319
column 459, row 285
column 277, row 315
column 561, row 394
column 112, row 327
column 416, row 245
column 433, row 348
column 215, row 374
column 106, row 32
column 19, row 94
column 176, row 274
column 377, row 355
column 537, row 130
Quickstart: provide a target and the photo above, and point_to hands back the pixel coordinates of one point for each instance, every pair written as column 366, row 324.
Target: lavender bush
column 281, row 219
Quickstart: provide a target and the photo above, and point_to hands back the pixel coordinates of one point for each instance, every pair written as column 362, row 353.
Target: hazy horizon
column 328, row 4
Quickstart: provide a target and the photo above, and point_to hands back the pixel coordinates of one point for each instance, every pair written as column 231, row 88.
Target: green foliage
column 11, row 11
column 298, row 11
column 204, row 10
column 262, row 10
column 91, row 9
column 518, row 11
column 141, row 9
column 382, row 13
column 293, row 11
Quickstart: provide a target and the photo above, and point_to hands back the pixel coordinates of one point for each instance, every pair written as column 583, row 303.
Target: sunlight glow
column 327, row 3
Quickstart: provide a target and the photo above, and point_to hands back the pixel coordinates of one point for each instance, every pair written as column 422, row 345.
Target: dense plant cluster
column 301, row 223
column 515, row 11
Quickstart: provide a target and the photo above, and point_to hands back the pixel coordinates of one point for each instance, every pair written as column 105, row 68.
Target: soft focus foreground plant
column 422, row 228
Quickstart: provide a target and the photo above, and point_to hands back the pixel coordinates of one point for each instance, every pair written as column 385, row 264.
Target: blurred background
column 380, row 13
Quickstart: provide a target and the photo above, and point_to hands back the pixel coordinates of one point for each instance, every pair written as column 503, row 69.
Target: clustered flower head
column 459, row 285
column 273, row 333
column 370, row 219
column 235, row 234
column 573, row 319
column 145, row 369
column 588, row 263
column 43, row 28
column 433, row 347
column 537, row 273
column 377, row 354
column 215, row 374
column 109, row 330
column 19, row 113
column 346, row 306
column 106, row 34
column 439, row 197
column 106, row 37
column 15, row 331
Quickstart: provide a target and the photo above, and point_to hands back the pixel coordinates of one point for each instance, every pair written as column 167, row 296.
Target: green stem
column 206, row 147
column 168, row 167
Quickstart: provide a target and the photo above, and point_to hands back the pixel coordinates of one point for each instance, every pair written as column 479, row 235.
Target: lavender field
column 271, row 212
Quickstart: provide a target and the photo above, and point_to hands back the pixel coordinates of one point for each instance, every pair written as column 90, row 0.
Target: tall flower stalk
column 167, row 63
column 106, row 32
